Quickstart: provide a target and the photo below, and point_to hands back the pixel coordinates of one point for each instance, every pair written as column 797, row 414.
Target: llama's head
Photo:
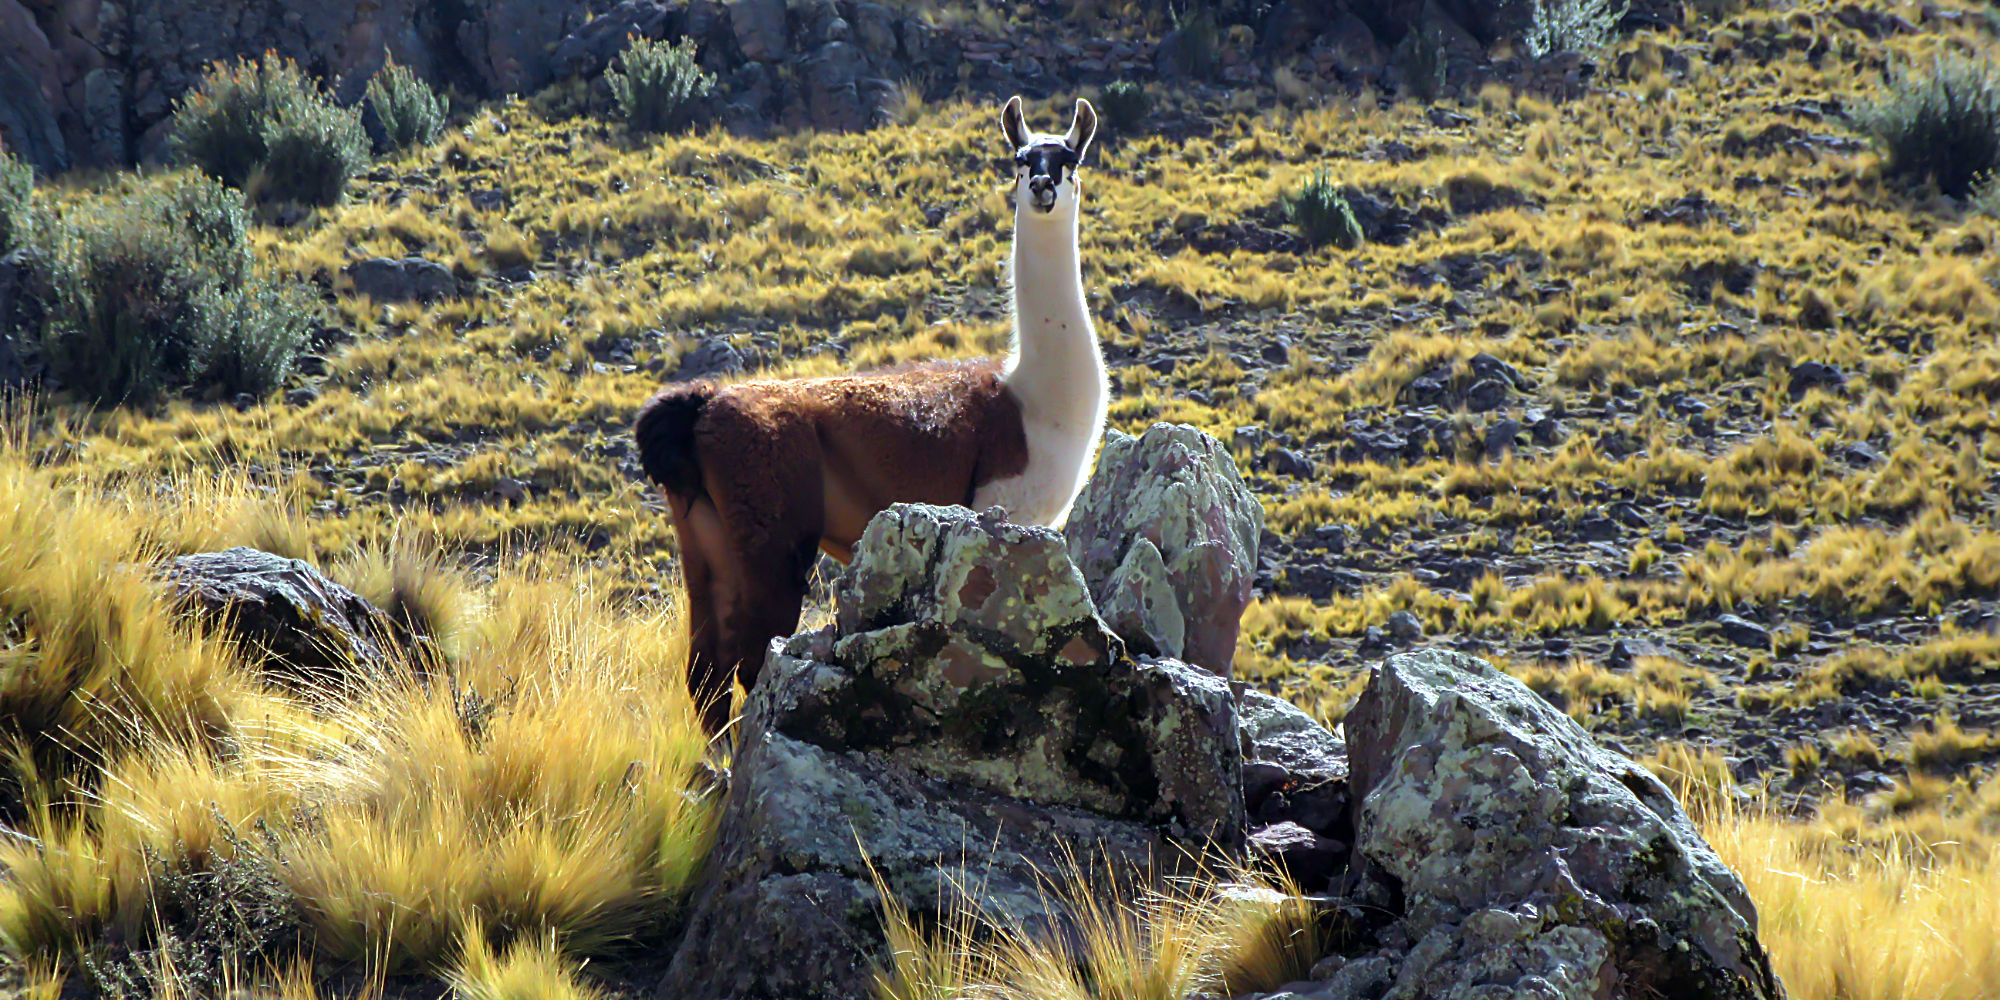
column 1045, row 165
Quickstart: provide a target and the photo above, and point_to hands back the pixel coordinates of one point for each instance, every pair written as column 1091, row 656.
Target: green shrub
column 1573, row 25
column 1322, row 214
column 659, row 85
column 410, row 112
column 156, row 292
column 264, row 126
column 17, row 190
column 1944, row 126
column 1124, row 104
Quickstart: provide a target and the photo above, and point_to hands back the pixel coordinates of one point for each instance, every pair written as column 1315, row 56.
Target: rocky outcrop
column 964, row 723
column 295, row 625
column 1528, row 860
column 89, row 82
column 1166, row 533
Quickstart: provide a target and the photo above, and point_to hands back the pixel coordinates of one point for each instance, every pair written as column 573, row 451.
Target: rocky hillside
column 93, row 83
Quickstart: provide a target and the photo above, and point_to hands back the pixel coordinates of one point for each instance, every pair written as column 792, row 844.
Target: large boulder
column 296, row 625
column 1529, row 861
column 1166, row 533
column 965, row 726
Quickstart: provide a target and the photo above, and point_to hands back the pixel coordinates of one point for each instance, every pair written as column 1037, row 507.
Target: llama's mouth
column 1043, row 201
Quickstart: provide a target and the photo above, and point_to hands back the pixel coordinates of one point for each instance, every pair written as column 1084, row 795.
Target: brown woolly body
column 759, row 475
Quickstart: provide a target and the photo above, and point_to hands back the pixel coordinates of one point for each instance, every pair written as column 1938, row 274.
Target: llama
column 758, row 476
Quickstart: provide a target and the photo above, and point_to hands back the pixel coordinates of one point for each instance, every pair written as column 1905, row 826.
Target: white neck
column 1056, row 369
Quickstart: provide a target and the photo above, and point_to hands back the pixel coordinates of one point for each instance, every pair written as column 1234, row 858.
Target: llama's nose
column 1043, row 186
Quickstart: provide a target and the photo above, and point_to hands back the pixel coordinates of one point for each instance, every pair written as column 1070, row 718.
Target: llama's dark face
column 1042, row 170
column 1045, row 166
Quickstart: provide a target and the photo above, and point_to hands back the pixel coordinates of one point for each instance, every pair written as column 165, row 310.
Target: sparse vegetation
column 1941, row 126
column 409, row 111
column 658, row 84
column 17, row 192
column 1322, row 213
column 1573, row 25
column 156, row 291
column 1124, row 104
column 265, row 127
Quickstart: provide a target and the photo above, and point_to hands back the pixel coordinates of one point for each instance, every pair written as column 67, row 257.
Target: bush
column 1124, row 104
column 410, row 112
column 1944, row 126
column 156, row 292
column 1322, row 214
column 17, row 190
column 1572, row 25
column 659, row 85
column 265, row 126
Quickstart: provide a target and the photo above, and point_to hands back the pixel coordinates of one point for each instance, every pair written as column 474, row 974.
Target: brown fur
column 760, row 474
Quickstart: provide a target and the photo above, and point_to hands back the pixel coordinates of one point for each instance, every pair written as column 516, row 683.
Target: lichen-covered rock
column 1531, row 861
column 964, row 722
column 294, row 623
column 1166, row 534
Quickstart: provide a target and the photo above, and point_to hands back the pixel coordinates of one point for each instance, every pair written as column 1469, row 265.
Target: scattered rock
column 1808, row 375
column 964, row 719
column 1309, row 859
column 1747, row 634
column 294, row 623
column 711, row 357
column 1166, row 533
column 410, row 279
column 1625, row 652
column 1528, row 860
column 1405, row 627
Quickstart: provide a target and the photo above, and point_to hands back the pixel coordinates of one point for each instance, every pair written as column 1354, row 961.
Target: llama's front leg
column 708, row 673
column 772, row 589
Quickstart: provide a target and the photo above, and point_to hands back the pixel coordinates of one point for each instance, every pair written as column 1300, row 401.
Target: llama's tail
column 665, row 434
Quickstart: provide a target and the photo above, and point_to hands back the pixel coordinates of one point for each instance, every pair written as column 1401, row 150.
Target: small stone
column 1742, row 632
column 1405, row 627
column 1809, row 375
column 1286, row 462
column 302, row 397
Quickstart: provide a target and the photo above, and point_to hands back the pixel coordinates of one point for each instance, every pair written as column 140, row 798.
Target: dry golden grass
column 403, row 823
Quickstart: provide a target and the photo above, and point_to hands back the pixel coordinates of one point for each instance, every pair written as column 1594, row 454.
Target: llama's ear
column 1014, row 124
column 1082, row 129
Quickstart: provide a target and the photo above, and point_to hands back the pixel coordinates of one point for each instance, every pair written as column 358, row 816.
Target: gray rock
column 1166, row 533
column 760, row 29
column 1307, row 858
column 833, row 88
column 411, row 279
column 294, row 623
column 1404, row 627
column 1743, row 632
column 1530, row 860
column 964, row 718
column 506, row 43
column 588, row 50
column 31, row 92
column 713, row 356
column 1294, row 770
column 1502, row 437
